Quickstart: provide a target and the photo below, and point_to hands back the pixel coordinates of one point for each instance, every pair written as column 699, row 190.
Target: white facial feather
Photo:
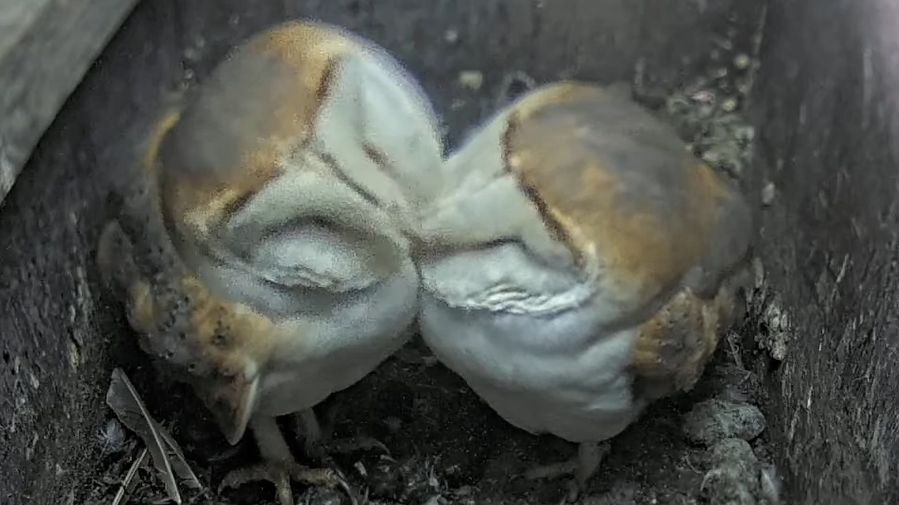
column 373, row 160
column 380, row 131
column 305, row 228
column 485, row 203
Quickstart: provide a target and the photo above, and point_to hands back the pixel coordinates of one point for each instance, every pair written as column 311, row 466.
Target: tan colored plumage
column 585, row 264
column 200, row 338
column 674, row 346
column 259, row 118
column 287, row 185
column 566, row 146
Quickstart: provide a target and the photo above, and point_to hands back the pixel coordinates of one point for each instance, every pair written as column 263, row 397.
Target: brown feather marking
column 207, row 335
column 154, row 140
column 226, row 333
column 367, row 195
column 309, row 56
column 142, row 307
column 375, row 154
column 674, row 346
column 512, row 163
column 583, row 200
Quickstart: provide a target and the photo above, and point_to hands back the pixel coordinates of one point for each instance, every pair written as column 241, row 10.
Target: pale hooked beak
column 231, row 400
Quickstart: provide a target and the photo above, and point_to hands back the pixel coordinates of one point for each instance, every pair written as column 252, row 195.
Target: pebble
column 768, row 193
column 471, row 79
column 742, row 61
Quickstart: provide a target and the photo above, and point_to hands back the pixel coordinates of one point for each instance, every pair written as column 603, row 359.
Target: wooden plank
column 46, row 46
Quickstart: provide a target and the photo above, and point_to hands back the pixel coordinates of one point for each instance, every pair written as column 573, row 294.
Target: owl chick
column 202, row 340
column 584, row 265
column 288, row 184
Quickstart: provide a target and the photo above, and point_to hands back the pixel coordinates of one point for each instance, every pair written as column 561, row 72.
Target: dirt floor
column 447, row 447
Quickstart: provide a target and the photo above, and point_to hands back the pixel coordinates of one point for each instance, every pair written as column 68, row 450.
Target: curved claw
column 583, row 467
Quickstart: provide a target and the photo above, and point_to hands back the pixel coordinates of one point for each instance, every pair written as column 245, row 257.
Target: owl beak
column 231, row 400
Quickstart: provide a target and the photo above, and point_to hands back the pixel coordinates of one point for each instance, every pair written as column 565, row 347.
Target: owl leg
column 278, row 465
column 319, row 444
column 589, row 456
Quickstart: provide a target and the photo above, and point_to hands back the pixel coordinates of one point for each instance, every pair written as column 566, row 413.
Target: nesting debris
column 415, row 480
column 708, row 118
column 167, row 457
column 707, row 110
column 774, row 334
column 713, row 420
column 736, row 477
column 128, row 480
column 112, row 438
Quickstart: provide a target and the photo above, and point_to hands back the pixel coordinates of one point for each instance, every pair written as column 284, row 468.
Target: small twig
column 735, row 353
column 167, row 457
column 126, row 482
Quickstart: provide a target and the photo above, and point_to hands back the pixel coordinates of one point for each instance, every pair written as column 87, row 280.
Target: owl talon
column 280, row 474
column 583, row 467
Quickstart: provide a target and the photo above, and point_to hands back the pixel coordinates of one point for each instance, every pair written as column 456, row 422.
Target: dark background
column 824, row 108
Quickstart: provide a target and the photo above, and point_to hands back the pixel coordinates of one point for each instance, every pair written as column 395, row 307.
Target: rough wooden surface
column 828, row 112
column 46, row 46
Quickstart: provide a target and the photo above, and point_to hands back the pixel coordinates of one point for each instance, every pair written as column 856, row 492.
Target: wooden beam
column 46, row 47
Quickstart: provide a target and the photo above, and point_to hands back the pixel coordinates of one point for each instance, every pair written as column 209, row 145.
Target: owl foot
column 583, row 467
column 280, row 474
